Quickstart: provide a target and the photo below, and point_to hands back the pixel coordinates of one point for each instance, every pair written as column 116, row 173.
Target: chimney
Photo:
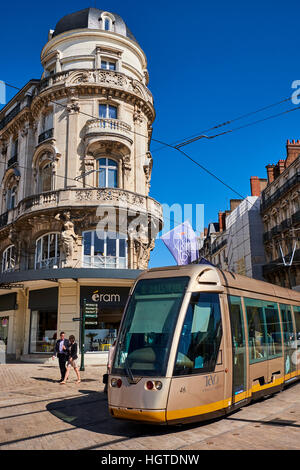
column 205, row 231
column 257, row 185
column 281, row 166
column 221, row 221
column 234, row 203
column 292, row 151
column 270, row 172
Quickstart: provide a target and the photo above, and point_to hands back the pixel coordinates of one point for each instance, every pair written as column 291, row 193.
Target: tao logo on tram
column 211, row 380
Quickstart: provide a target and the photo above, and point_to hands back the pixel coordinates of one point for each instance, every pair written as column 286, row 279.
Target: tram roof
column 211, row 275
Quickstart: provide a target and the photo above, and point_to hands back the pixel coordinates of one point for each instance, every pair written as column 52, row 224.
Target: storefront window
column 101, row 335
column 43, row 331
column 108, row 303
column 104, row 250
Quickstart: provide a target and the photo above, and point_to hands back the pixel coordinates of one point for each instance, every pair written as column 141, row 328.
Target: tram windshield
column 148, row 326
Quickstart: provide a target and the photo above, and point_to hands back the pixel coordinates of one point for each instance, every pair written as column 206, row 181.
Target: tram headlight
column 116, row 383
column 158, row 384
column 154, row 385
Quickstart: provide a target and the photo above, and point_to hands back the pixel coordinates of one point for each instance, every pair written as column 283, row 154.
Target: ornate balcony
column 48, row 134
column 12, row 161
column 104, row 127
column 268, row 200
column 96, row 77
column 80, row 197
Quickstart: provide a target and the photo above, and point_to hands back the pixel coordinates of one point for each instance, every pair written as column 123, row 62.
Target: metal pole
column 82, row 324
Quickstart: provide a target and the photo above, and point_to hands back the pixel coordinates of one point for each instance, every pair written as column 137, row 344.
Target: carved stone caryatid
column 68, row 237
column 15, row 239
column 148, row 170
column 142, row 245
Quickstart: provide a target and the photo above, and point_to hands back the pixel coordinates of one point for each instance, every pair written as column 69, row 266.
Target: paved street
column 37, row 413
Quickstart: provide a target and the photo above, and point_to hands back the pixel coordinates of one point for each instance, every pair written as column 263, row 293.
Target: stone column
column 72, row 157
column 98, row 58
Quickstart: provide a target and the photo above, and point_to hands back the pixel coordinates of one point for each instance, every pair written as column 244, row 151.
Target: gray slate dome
column 90, row 18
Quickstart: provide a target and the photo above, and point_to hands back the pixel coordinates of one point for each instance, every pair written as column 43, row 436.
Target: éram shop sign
column 104, row 296
column 116, row 298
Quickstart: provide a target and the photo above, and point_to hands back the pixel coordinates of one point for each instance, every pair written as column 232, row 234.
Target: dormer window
column 107, row 21
column 107, row 24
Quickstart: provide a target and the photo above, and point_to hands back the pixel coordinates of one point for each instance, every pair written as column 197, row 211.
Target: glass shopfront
column 101, row 330
column 43, row 331
column 43, row 320
column 8, row 304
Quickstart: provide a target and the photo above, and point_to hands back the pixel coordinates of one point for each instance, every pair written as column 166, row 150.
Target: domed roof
column 91, row 18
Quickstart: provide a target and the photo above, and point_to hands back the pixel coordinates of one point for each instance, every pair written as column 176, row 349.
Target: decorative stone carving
column 73, row 107
column 143, row 246
column 126, row 163
column 138, row 115
column 148, row 169
column 68, row 237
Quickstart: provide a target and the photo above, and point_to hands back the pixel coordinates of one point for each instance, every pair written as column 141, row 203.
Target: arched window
column 45, row 177
column 47, row 251
column 8, row 259
column 107, row 171
column 107, row 23
column 11, row 197
column 10, row 188
column 104, row 250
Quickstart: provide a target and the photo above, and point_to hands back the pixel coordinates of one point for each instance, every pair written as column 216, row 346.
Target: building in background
column 245, row 250
column 280, row 211
column 74, row 145
column 235, row 243
column 215, row 242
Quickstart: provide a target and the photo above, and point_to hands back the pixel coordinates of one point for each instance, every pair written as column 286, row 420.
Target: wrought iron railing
column 48, row 134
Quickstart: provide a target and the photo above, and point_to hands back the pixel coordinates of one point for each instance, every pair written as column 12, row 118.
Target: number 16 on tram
column 196, row 342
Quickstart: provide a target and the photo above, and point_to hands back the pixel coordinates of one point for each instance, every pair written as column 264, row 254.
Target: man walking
column 61, row 351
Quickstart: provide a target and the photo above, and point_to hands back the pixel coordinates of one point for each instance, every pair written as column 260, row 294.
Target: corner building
column 74, row 150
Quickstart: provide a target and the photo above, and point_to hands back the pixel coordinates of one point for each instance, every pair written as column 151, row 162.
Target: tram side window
column 263, row 329
column 273, row 329
column 200, row 336
column 297, row 321
column 256, row 330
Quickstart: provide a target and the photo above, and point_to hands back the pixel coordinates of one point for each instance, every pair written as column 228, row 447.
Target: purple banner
column 182, row 243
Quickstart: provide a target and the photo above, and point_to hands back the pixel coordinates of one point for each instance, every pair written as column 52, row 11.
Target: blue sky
column 209, row 62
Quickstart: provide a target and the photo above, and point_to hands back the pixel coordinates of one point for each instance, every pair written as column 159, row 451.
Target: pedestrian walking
column 61, row 352
column 72, row 360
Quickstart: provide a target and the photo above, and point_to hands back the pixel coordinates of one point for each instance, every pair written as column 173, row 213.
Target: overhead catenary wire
column 186, row 142
column 198, row 137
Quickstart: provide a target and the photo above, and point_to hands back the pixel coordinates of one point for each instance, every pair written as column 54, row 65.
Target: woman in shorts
column 72, row 360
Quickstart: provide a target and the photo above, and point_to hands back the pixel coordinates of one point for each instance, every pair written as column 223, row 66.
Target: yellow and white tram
column 196, row 342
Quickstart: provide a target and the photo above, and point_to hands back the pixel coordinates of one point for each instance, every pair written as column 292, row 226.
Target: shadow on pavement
column 47, row 379
column 90, row 412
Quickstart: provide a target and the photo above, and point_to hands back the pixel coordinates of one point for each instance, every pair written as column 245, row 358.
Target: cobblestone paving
column 37, row 413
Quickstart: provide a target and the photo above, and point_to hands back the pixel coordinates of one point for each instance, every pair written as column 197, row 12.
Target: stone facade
column 53, row 137
column 280, row 212
column 75, row 178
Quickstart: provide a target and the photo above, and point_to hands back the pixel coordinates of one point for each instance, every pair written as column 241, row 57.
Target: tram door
column 3, row 338
column 239, row 376
column 289, row 341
